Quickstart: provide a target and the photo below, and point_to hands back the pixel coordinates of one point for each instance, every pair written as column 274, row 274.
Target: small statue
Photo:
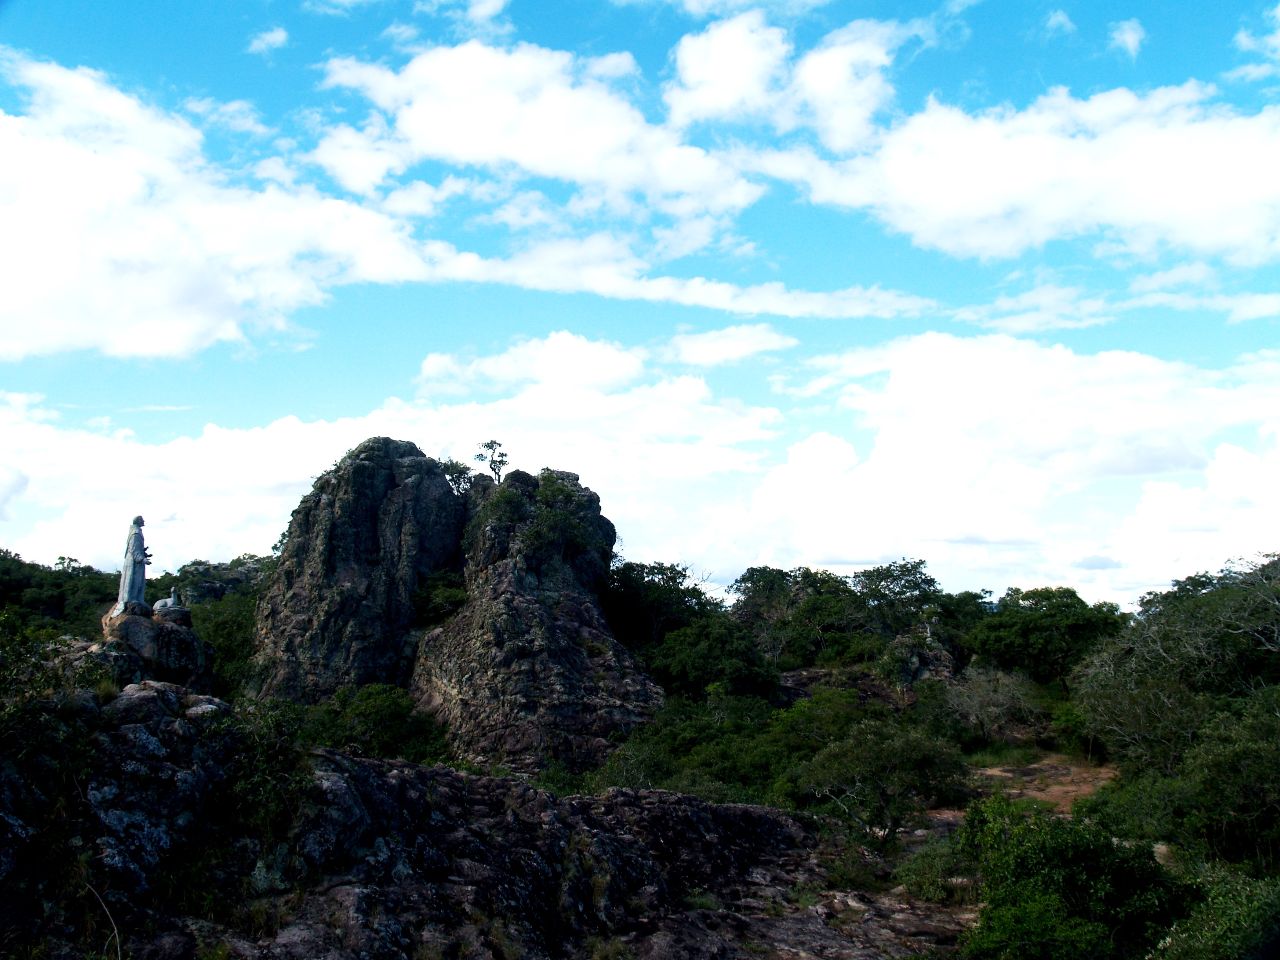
column 133, row 575
column 170, row 601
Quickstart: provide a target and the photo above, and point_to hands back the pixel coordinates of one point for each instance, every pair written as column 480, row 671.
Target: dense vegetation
column 862, row 700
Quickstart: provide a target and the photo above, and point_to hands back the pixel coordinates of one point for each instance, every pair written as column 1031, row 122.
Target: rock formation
column 378, row 860
column 527, row 671
column 339, row 608
column 523, row 668
column 140, row 643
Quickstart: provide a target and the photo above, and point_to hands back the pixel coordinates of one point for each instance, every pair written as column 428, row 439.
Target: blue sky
column 798, row 282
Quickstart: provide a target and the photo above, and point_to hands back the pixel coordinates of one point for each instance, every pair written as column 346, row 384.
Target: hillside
column 447, row 720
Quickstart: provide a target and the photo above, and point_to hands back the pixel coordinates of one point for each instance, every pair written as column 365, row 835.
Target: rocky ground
column 158, row 829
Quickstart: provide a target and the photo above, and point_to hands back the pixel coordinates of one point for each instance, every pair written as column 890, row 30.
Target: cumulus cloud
column 729, row 71
column 1171, row 168
column 561, row 361
column 545, row 115
column 1127, row 36
column 742, row 68
column 169, row 257
column 646, row 442
column 994, row 453
column 724, row 8
column 268, row 40
column 727, row 345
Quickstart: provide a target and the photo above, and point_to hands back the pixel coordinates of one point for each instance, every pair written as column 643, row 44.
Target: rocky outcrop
column 339, row 608
column 527, row 672
column 140, row 643
column 519, row 664
column 201, row 581
column 386, row 860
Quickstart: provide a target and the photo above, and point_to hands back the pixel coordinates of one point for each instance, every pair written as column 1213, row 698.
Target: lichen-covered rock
column 388, row 860
column 527, row 672
column 339, row 608
column 140, row 643
column 519, row 662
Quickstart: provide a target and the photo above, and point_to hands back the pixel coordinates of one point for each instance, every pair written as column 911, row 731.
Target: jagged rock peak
column 527, row 671
column 339, row 608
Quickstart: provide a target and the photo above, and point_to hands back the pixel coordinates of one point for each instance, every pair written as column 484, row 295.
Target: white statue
column 133, row 575
column 170, row 601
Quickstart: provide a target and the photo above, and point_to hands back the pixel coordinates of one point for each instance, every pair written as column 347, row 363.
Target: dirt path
column 1054, row 779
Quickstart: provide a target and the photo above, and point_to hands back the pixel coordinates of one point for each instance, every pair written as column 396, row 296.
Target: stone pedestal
column 141, row 644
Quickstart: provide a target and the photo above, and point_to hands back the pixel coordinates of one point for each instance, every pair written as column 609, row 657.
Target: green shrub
column 228, row 626
column 881, row 775
column 1056, row 889
column 1239, row 919
column 376, row 720
column 938, row 872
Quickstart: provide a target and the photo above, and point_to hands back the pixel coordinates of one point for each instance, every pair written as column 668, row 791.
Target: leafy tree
column 493, row 457
column 1191, row 649
column 881, row 775
column 712, row 649
column 643, row 602
column 458, row 474
column 1056, row 889
column 1233, row 772
column 1044, row 631
column 1238, row 919
column 897, row 596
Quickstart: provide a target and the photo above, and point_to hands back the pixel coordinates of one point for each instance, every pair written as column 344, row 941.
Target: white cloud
column 335, row 7
column 645, row 443
column 729, row 71
column 268, row 40
column 1266, row 46
column 727, row 8
column 1237, row 307
column 560, row 361
column 238, row 115
column 604, row 265
column 546, row 115
column 422, row 199
column 1057, row 22
column 997, row 458
column 840, row 85
column 1168, row 168
column 1127, row 36
column 168, row 256
column 1184, row 274
column 360, row 160
column 1046, row 307
column 727, row 345
column 741, row 68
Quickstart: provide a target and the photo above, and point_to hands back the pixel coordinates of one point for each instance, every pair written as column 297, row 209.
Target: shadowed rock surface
column 140, row 643
column 339, row 608
column 522, row 669
column 527, row 671
column 386, row 860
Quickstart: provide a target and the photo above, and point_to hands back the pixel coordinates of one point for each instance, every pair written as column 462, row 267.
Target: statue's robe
column 133, row 576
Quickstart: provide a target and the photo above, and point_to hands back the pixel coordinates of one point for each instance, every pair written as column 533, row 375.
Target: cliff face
column 339, row 608
column 527, row 671
column 523, row 668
